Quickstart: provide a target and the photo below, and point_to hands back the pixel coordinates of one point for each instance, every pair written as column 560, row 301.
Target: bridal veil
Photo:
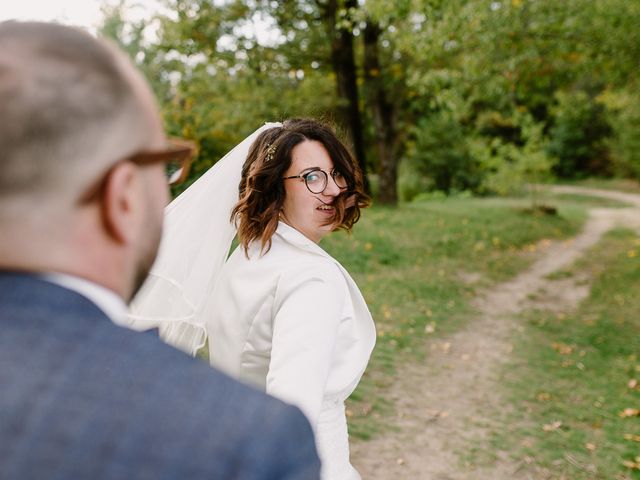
column 197, row 235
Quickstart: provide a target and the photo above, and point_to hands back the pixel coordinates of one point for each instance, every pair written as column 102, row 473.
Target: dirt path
column 441, row 406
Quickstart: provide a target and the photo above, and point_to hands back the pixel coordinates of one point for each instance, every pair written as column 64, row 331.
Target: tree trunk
column 383, row 114
column 344, row 67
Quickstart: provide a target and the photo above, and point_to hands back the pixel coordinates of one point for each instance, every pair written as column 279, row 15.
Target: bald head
column 71, row 105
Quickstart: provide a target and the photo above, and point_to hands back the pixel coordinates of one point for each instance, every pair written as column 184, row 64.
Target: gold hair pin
column 271, row 150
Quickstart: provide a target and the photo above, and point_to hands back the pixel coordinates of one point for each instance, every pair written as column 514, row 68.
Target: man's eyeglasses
column 316, row 180
column 177, row 157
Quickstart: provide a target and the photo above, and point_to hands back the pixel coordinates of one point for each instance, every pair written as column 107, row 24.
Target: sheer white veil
column 195, row 243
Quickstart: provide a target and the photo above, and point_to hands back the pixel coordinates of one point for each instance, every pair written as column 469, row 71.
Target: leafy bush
column 511, row 167
column 494, row 124
column 441, row 152
column 624, row 115
column 411, row 182
column 578, row 136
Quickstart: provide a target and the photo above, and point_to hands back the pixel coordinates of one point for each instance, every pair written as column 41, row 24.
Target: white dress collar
column 296, row 238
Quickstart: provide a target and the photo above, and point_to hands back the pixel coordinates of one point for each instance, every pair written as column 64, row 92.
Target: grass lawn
column 624, row 185
column 574, row 384
column 419, row 265
column 576, row 378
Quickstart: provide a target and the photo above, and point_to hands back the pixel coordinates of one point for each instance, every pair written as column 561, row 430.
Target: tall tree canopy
column 461, row 92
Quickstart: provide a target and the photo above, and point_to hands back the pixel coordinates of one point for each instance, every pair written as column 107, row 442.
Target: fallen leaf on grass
column 590, row 446
column 632, row 464
column 544, row 397
column 632, row 437
column 552, row 427
column 633, row 383
column 629, row 412
column 562, row 348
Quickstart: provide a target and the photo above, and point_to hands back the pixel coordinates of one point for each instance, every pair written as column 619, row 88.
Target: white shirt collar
column 106, row 300
column 295, row 237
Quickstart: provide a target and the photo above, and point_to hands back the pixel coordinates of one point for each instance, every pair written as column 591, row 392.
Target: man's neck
column 89, row 262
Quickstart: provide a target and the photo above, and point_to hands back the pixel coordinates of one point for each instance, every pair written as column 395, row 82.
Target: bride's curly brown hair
column 262, row 190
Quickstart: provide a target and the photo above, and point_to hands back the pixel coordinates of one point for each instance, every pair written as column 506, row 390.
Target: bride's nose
column 331, row 189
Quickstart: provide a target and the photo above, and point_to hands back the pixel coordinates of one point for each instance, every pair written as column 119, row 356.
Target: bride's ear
column 118, row 203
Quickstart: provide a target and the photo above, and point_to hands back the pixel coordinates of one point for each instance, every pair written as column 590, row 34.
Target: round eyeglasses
column 316, row 180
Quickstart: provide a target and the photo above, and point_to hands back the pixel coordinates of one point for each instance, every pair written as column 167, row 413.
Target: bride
column 280, row 314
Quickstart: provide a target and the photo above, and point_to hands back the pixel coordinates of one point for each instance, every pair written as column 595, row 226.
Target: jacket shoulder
column 104, row 397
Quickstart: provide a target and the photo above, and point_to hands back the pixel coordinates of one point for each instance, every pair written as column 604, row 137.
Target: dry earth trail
column 440, row 407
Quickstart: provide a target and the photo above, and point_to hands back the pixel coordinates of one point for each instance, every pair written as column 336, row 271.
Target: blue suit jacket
column 81, row 398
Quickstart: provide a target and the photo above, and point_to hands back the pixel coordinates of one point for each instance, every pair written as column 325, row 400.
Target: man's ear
column 118, row 203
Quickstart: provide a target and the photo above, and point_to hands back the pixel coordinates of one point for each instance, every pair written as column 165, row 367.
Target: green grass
column 575, row 368
column 585, row 200
column 622, row 184
column 418, row 267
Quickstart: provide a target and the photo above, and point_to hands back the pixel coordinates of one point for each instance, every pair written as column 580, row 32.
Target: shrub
column 441, row 152
column 511, row 167
column 411, row 182
column 578, row 136
column 623, row 107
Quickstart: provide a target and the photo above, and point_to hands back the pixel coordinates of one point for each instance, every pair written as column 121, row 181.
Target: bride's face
column 304, row 210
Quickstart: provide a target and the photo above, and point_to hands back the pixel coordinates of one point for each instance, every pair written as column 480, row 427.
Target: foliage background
column 453, row 95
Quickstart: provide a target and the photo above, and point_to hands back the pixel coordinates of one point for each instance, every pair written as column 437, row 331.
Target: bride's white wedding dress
column 294, row 324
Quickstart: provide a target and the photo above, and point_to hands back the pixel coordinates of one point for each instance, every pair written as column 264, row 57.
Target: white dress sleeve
column 307, row 311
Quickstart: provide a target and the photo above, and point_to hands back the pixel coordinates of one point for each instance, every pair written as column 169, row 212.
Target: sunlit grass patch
column 575, row 383
column 419, row 266
column 586, row 200
column 619, row 184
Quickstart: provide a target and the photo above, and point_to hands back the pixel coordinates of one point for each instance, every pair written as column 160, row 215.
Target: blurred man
column 82, row 193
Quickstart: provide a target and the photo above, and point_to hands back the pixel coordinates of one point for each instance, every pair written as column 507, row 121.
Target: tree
column 382, row 68
column 351, row 27
column 339, row 26
column 383, row 114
